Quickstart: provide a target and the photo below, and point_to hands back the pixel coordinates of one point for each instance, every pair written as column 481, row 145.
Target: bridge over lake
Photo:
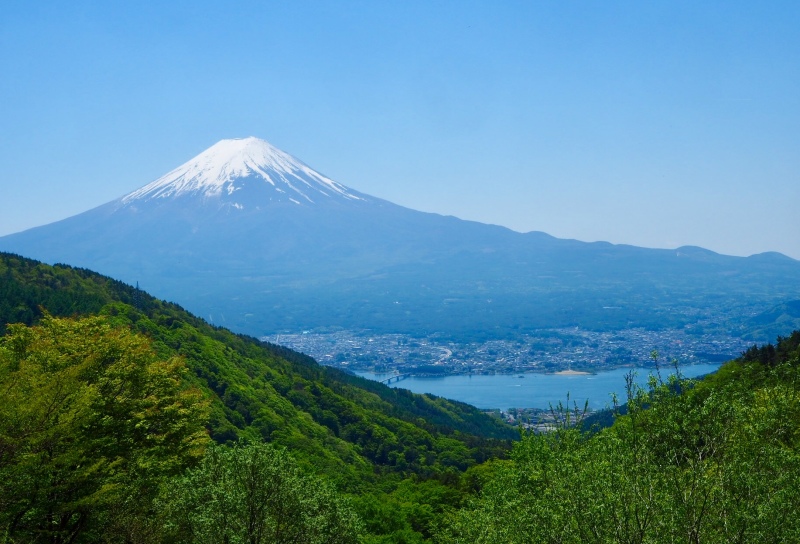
column 395, row 378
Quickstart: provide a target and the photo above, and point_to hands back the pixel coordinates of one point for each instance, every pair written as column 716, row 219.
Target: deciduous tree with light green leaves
column 255, row 494
column 92, row 422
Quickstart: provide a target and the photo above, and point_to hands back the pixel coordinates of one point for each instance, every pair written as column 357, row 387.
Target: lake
column 533, row 390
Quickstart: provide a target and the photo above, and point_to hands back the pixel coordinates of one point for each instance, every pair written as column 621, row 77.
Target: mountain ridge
column 233, row 246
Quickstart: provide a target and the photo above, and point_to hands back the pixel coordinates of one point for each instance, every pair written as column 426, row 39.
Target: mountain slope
column 344, row 426
column 251, row 238
column 774, row 322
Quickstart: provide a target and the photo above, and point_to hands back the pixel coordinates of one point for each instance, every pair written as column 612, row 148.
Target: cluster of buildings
column 550, row 350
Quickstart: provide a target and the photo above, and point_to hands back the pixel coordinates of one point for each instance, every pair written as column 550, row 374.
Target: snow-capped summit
column 246, row 165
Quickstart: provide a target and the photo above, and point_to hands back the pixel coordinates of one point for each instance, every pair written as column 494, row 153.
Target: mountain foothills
column 253, row 239
column 127, row 373
column 126, row 419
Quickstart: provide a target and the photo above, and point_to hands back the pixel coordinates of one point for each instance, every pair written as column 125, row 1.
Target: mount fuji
column 252, row 238
column 246, row 169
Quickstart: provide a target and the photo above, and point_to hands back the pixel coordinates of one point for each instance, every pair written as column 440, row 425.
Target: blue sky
column 657, row 124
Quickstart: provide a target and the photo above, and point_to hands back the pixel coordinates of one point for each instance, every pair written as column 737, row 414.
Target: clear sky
column 657, row 124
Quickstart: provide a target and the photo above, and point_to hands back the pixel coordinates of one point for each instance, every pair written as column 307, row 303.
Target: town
column 551, row 350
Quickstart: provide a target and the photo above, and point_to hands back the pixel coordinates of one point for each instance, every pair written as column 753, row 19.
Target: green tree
column 91, row 422
column 254, row 494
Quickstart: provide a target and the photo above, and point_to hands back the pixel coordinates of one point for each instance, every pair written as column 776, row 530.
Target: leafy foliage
column 362, row 437
column 259, row 391
column 104, row 419
column 772, row 355
column 254, row 494
column 88, row 416
column 711, row 461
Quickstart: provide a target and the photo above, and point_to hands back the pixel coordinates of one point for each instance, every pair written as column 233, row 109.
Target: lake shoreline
column 537, row 390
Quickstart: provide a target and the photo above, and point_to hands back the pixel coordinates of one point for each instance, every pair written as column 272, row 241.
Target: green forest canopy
column 108, row 419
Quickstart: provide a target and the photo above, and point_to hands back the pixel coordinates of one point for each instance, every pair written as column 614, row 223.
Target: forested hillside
column 360, row 436
column 125, row 419
column 715, row 460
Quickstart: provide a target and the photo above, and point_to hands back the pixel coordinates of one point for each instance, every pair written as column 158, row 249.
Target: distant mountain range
column 250, row 237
